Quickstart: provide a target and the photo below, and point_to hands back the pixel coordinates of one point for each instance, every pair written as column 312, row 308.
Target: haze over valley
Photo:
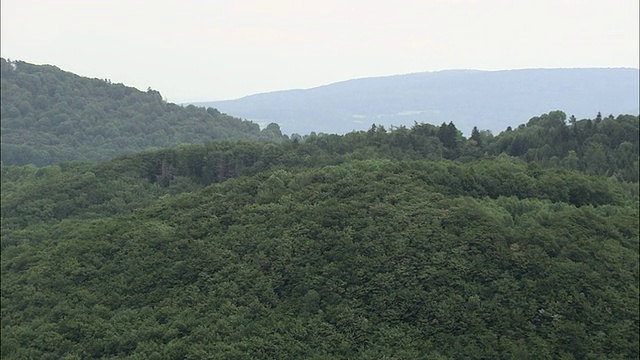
column 490, row 100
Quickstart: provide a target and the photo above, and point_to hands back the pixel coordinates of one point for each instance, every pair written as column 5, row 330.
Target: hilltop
column 49, row 116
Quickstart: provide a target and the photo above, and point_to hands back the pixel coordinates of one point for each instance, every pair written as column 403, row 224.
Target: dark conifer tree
column 475, row 136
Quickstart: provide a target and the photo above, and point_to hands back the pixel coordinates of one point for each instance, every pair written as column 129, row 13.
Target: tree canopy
column 380, row 243
column 49, row 116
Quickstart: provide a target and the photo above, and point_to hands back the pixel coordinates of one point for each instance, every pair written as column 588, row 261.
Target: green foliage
column 50, row 116
column 606, row 147
column 367, row 258
column 388, row 243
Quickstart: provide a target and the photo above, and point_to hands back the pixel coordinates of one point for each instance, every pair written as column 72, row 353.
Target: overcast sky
column 197, row 50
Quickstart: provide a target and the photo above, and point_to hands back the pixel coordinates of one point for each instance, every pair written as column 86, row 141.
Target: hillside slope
column 49, row 116
column 367, row 245
column 490, row 100
column 349, row 261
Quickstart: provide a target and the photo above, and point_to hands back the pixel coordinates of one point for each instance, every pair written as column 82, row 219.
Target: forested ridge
column 50, row 116
column 388, row 243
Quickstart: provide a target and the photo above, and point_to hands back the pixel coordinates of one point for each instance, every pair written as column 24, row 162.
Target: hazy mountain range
column 491, row 100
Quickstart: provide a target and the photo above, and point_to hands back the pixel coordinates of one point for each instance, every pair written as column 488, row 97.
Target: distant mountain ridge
column 490, row 100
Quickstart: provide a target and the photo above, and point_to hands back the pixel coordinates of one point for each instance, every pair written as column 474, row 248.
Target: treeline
column 49, row 116
column 601, row 146
column 55, row 192
column 33, row 196
column 610, row 148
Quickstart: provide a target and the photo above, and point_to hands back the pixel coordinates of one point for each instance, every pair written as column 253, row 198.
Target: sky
column 198, row 50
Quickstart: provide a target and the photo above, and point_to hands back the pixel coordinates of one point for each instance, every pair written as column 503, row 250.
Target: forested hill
column 401, row 243
column 490, row 100
column 49, row 116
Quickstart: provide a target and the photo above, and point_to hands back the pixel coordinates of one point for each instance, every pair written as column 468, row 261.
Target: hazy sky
column 197, row 50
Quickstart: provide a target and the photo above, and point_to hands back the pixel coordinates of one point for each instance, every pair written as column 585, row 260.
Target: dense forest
column 49, row 116
column 387, row 243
